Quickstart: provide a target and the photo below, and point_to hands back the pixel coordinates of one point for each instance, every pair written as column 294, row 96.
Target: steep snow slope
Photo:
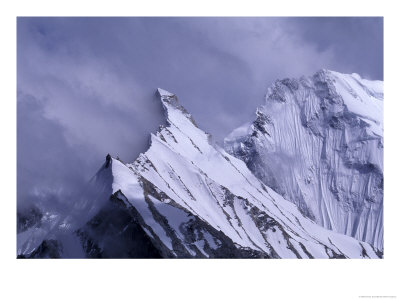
column 318, row 141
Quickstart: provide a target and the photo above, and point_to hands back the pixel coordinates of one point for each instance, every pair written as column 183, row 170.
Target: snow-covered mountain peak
column 164, row 93
column 318, row 141
column 175, row 113
column 340, row 95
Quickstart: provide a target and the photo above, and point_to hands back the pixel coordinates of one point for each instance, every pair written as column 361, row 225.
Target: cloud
column 49, row 170
column 356, row 43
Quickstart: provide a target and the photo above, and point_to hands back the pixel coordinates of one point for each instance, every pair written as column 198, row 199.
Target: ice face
column 319, row 142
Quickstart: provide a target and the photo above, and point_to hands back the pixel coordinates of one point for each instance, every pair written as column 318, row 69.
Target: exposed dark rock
column 47, row 249
column 114, row 233
column 108, row 160
column 28, row 218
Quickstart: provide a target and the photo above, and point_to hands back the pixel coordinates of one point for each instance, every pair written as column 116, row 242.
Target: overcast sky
column 86, row 86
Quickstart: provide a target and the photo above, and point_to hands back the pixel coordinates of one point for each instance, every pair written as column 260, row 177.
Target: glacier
column 318, row 141
column 185, row 197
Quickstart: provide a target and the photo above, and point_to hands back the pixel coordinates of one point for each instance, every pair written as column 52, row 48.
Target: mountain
column 318, row 141
column 186, row 197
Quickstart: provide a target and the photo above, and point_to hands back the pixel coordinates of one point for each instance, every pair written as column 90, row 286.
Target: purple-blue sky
column 86, row 85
